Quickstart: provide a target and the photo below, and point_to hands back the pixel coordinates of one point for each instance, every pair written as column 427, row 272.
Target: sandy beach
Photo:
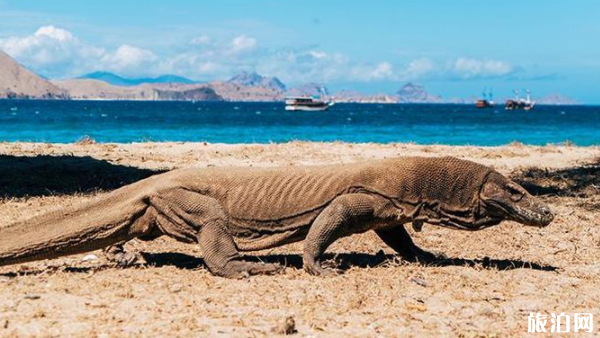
column 493, row 280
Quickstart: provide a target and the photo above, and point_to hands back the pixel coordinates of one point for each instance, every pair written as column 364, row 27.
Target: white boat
column 308, row 103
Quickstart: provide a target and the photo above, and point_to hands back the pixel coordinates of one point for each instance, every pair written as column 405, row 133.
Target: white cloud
column 467, row 68
column 201, row 66
column 54, row 33
column 317, row 54
column 128, row 60
column 378, row 72
column 298, row 66
column 50, row 50
column 57, row 53
column 208, row 68
column 383, row 70
column 427, row 69
column 418, row 68
column 242, row 43
column 200, row 40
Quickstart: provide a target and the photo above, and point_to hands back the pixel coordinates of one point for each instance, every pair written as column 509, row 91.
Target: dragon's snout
column 547, row 216
column 506, row 199
column 534, row 213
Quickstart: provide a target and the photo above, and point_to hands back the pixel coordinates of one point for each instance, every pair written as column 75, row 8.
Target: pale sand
column 485, row 292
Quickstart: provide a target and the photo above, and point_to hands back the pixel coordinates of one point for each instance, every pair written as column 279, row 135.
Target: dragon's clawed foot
column 123, row 258
column 423, row 256
column 317, row 269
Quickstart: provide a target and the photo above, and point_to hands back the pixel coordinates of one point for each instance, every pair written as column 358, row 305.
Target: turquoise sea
column 237, row 122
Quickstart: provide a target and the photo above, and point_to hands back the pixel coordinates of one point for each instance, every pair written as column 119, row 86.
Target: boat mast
column 323, row 94
column 517, row 98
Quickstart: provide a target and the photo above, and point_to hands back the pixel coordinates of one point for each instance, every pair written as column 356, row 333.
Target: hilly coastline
column 18, row 82
column 244, row 86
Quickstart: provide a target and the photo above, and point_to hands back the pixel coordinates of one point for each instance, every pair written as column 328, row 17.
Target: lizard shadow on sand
column 342, row 261
column 43, row 175
column 346, row 261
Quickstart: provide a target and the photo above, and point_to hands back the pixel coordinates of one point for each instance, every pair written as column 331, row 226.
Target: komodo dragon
column 228, row 210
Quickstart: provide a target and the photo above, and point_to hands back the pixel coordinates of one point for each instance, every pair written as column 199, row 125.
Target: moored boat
column 520, row 104
column 486, row 102
column 308, row 103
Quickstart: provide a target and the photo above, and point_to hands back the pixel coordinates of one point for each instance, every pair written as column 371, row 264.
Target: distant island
column 116, row 80
column 16, row 82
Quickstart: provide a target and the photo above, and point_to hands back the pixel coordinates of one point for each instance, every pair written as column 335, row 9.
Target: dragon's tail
column 104, row 221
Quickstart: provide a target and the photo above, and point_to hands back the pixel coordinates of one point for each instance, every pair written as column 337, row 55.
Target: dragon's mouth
column 534, row 214
column 480, row 224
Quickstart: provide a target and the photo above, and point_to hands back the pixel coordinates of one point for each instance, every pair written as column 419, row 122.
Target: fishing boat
column 308, row 103
column 486, row 102
column 520, row 104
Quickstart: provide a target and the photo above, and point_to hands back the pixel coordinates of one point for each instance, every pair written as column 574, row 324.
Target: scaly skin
column 228, row 210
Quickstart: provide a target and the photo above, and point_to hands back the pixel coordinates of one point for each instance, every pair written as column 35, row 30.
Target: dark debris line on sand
column 579, row 182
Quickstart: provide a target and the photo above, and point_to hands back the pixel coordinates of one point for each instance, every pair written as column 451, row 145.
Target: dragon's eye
column 516, row 194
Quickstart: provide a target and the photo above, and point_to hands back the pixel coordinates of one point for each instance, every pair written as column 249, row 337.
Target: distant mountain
column 90, row 89
column 188, row 94
column 307, row 89
column 18, row 82
column 408, row 93
column 117, row 80
column 247, row 86
column 255, row 80
column 358, row 97
column 108, row 86
column 556, row 99
column 415, row 93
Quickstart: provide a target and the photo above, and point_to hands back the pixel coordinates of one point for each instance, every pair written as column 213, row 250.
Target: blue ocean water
column 237, row 122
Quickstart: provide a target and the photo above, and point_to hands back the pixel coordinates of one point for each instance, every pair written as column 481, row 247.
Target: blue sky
column 454, row 48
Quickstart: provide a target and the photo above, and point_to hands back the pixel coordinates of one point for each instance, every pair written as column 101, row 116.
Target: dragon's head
column 503, row 199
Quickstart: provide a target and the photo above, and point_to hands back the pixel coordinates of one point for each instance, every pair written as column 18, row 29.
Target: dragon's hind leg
column 126, row 257
column 398, row 239
column 192, row 217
